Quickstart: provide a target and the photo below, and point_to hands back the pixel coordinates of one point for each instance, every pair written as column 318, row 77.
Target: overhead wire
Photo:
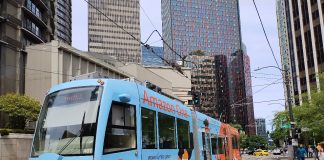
column 261, row 85
column 172, row 64
column 147, row 16
column 266, row 36
column 257, row 91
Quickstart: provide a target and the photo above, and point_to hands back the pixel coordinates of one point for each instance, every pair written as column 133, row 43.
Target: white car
column 276, row 151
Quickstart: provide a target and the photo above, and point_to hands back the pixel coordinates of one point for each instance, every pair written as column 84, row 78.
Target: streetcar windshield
column 67, row 123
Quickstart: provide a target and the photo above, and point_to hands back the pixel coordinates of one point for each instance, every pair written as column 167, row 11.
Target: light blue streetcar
column 105, row 119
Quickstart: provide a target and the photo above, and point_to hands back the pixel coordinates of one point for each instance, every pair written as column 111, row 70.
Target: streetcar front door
column 121, row 136
column 206, row 146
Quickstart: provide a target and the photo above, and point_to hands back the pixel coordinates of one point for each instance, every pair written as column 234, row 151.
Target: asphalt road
column 270, row 157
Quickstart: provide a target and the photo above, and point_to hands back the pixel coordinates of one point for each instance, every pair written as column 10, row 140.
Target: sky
column 252, row 36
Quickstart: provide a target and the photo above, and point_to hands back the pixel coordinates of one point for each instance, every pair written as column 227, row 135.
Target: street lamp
column 291, row 116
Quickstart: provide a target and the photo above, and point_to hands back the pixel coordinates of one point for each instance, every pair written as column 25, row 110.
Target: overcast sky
column 252, row 35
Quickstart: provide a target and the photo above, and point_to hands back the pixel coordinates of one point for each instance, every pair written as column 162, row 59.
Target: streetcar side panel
column 166, row 127
column 118, row 134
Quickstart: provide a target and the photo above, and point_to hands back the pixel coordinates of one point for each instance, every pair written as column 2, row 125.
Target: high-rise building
column 241, row 98
column 222, row 89
column 22, row 23
column 152, row 59
column 108, row 39
column 210, row 26
column 63, row 23
column 260, row 127
column 300, row 28
column 203, row 83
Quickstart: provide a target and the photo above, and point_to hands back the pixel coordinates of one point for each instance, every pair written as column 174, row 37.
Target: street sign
column 305, row 129
column 286, row 125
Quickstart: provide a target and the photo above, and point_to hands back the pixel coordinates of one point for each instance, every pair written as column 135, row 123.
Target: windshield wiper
column 78, row 135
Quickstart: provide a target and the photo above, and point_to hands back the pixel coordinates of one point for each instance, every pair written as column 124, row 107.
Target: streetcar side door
column 121, row 134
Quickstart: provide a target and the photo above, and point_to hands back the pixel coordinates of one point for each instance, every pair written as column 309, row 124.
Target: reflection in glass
column 67, row 122
column 148, row 129
column 167, row 132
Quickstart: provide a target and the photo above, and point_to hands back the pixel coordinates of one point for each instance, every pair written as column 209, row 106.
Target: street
column 270, row 157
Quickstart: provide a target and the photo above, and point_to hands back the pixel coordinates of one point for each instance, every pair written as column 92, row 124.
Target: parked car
column 276, row 151
column 250, row 152
column 260, row 152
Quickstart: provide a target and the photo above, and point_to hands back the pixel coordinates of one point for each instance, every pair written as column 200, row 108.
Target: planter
column 15, row 146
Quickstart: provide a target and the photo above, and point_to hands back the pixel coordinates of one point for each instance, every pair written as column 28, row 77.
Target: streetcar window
column 214, row 145
column 234, row 142
column 148, row 129
column 183, row 134
column 220, row 149
column 121, row 130
column 167, row 132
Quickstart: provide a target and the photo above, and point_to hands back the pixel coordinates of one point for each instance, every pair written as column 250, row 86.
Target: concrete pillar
column 295, row 51
column 302, row 31
column 311, row 24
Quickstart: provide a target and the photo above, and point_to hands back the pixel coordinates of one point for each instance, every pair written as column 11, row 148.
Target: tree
column 280, row 133
column 237, row 126
column 243, row 140
column 197, row 53
column 20, row 109
column 256, row 142
column 309, row 115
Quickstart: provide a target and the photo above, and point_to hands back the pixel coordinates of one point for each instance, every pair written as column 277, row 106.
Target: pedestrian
column 315, row 153
column 301, row 152
column 306, row 149
column 310, row 152
column 321, row 151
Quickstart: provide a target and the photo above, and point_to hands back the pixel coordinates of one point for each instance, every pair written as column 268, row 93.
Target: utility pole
column 291, row 148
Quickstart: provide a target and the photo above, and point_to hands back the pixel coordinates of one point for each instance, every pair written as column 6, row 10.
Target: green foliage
column 197, row 53
column 256, row 142
column 6, row 131
column 20, row 109
column 308, row 115
column 243, row 140
column 280, row 133
column 237, row 126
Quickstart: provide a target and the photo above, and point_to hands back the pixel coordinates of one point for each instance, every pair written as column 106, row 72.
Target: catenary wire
column 265, row 34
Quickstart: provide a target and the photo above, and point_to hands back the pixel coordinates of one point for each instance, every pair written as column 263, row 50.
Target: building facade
column 260, row 126
column 108, row 39
column 222, row 89
column 181, row 85
column 22, row 23
column 210, row 26
column 301, row 27
column 63, row 23
column 204, row 84
column 152, row 59
column 60, row 63
column 241, row 97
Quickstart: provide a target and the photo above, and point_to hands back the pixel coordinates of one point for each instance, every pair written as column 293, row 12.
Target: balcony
column 5, row 40
column 36, row 16
column 2, row 19
column 41, row 4
column 33, row 32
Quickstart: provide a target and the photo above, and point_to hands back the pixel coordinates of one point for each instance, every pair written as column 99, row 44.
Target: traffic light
column 196, row 99
column 297, row 133
column 297, row 130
